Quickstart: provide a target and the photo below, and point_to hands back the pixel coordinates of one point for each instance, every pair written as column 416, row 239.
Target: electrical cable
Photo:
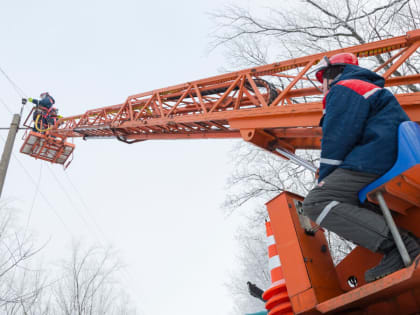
column 33, row 200
column 71, row 202
column 125, row 274
column 45, row 198
column 15, row 86
column 40, row 192
column 19, row 91
column 22, row 94
column 79, row 195
column 5, row 105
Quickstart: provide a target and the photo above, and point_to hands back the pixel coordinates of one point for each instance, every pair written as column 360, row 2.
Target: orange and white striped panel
column 274, row 262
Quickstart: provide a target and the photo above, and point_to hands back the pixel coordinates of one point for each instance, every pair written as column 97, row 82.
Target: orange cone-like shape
column 276, row 295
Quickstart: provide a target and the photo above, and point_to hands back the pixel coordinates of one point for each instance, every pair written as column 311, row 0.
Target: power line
column 71, row 200
column 33, row 200
column 18, row 90
column 5, row 105
column 45, row 198
column 40, row 192
column 8, row 128
column 124, row 272
column 79, row 195
column 22, row 94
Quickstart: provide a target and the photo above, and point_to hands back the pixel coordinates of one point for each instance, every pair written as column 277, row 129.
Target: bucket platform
column 47, row 148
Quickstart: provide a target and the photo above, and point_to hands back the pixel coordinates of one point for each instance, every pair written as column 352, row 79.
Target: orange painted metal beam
column 223, row 105
column 231, row 100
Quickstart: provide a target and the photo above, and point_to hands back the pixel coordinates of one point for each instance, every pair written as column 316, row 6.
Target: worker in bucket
column 360, row 141
column 45, row 115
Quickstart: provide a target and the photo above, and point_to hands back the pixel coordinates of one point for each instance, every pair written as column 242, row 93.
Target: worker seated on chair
column 45, row 115
column 359, row 144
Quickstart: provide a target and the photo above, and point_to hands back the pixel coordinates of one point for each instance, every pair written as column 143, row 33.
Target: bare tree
column 290, row 31
column 88, row 285
column 34, row 301
column 311, row 27
column 20, row 284
column 85, row 284
column 254, row 264
column 258, row 176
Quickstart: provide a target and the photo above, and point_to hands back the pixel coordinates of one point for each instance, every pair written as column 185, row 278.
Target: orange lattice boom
column 240, row 104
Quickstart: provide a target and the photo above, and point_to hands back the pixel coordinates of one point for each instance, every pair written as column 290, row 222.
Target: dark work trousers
column 334, row 205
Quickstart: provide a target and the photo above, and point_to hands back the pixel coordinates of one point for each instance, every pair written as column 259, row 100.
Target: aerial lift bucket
column 47, row 148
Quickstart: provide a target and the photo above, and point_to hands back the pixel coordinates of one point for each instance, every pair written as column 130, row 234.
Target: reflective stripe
column 330, row 161
column 270, row 240
column 325, row 211
column 274, row 262
column 281, row 281
column 371, row 92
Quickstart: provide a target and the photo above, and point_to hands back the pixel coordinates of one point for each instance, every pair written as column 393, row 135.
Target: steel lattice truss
column 275, row 100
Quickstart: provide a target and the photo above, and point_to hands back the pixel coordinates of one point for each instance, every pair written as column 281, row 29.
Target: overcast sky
column 157, row 202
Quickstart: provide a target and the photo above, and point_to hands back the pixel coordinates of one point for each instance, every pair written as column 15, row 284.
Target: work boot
column 392, row 260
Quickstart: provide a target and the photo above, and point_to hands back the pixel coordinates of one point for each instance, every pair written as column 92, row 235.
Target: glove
column 30, row 99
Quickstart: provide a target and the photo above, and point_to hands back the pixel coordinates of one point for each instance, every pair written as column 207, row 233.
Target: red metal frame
column 51, row 149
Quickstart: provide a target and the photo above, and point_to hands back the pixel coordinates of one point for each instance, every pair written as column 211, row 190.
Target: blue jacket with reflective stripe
column 360, row 125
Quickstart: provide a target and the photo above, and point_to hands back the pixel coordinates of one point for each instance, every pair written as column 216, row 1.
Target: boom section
column 274, row 96
column 274, row 106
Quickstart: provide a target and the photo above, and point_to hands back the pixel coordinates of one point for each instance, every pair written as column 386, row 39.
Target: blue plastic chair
column 408, row 156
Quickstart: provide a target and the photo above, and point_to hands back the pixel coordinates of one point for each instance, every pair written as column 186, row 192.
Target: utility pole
column 8, row 147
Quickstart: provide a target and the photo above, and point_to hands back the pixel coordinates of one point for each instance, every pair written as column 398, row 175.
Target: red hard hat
column 341, row 59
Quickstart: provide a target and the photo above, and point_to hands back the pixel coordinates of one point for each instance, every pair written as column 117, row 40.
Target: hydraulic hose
column 36, row 125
